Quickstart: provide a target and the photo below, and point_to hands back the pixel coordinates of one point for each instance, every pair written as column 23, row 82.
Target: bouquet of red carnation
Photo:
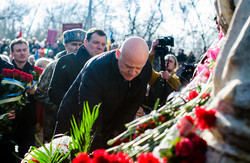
column 188, row 149
column 36, row 73
column 13, row 84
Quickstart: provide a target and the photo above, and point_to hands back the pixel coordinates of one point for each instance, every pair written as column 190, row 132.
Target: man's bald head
column 135, row 45
column 132, row 57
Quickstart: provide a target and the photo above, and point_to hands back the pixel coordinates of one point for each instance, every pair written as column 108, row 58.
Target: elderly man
column 69, row 66
column 117, row 79
column 73, row 39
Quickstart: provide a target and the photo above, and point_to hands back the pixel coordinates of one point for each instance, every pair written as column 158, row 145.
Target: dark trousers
column 24, row 137
column 7, row 148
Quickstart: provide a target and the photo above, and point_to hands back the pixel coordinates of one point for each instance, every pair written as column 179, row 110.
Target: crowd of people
column 77, row 69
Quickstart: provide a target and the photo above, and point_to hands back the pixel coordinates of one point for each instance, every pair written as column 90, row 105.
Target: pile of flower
column 12, row 95
column 102, row 156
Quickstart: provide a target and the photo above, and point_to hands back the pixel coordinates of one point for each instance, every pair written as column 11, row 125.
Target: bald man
column 117, row 79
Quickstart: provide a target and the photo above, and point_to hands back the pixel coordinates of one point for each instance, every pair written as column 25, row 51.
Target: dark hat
column 74, row 35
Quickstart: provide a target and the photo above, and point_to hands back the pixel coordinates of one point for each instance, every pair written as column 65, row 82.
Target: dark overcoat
column 66, row 71
column 101, row 82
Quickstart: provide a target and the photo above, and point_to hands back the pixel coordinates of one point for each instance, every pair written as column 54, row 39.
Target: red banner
column 69, row 26
column 51, row 37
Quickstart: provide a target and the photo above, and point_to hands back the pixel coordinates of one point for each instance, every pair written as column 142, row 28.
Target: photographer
column 164, row 82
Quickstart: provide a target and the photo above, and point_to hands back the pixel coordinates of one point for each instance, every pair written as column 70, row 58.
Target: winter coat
column 5, row 64
column 66, row 71
column 100, row 81
column 42, row 96
column 181, row 58
column 28, row 113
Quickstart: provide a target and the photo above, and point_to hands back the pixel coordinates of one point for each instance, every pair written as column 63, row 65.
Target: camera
column 162, row 49
column 166, row 41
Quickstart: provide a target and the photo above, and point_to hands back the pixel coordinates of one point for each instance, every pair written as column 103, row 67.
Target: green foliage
column 81, row 140
column 49, row 156
column 81, row 137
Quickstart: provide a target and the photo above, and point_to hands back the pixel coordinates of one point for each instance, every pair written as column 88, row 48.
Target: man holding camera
column 164, row 82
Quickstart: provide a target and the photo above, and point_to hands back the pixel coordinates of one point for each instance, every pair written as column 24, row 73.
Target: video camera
column 161, row 50
column 162, row 47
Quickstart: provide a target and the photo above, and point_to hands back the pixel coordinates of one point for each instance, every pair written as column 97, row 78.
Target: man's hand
column 154, row 44
column 12, row 114
column 140, row 112
column 31, row 91
column 165, row 75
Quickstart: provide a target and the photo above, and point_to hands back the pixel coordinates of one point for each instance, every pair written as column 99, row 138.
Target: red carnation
column 38, row 70
column 196, row 157
column 205, row 95
column 186, row 125
column 119, row 141
column 147, row 158
column 120, row 158
column 199, row 143
column 162, row 118
column 4, row 72
column 136, row 135
column 207, row 74
column 9, row 73
column 100, row 156
column 192, row 95
column 30, row 77
column 184, row 147
column 34, row 160
column 151, row 124
column 24, row 76
column 16, row 73
column 206, row 118
column 142, row 127
column 82, row 158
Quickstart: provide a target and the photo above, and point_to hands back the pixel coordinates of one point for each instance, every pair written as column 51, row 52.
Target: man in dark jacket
column 5, row 64
column 6, row 145
column 181, row 57
column 117, row 79
column 69, row 66
column 25, row 130
column 73, row 39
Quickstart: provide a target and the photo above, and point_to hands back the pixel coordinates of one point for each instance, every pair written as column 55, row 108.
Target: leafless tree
column 58, row 14
column 133, row 8
column 153, row 22
column 124, row 18
column 94, row 8
column 11, row 19
column 196, row 32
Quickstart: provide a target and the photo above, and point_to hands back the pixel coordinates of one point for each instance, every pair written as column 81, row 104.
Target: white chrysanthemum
column 61, row 143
